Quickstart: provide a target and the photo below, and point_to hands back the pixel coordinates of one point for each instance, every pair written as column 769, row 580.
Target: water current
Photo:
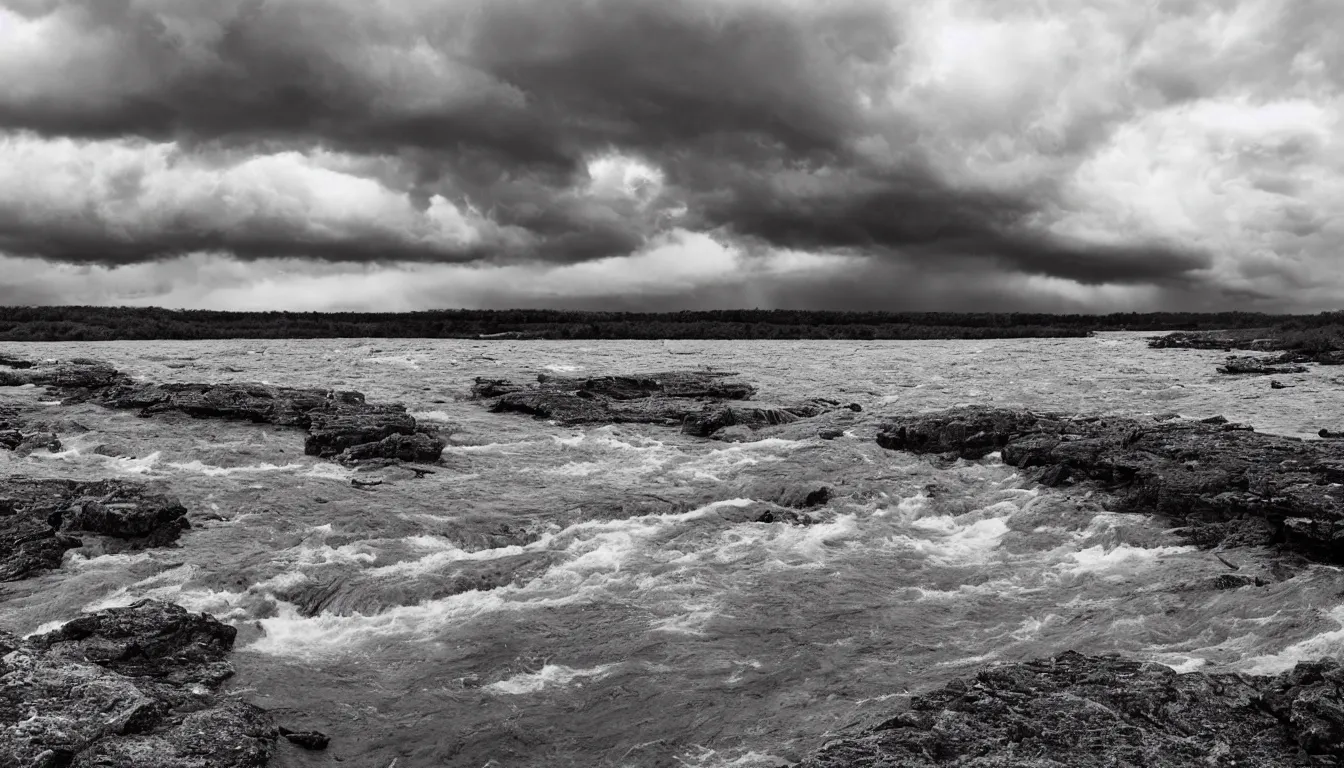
column 557, row 596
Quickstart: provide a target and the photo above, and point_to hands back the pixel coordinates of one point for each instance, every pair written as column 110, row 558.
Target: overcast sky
column 1054, row 155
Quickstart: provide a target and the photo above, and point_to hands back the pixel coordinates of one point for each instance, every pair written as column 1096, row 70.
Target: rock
column 831, row 434
column 128, row 686
column 417, row 447
column 10, row 438
column 332, row 432
column 1276, row 384
column 148, row 639
column 714, row 418
column 1225, row 483
column 1262, row 365
column 703, row 403
column 9, row 361
column 38, row 442
column 38, row 516
column 336, row 420
column 314, row 740
column 764, row 512
column 1095, row 712
column 1193, row 340
column 970, row 433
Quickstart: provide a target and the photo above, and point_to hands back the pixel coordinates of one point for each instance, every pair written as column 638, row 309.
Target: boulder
column 1098, row 712
column 37, row 518
column 711, row 419
column 417, row 447
column 128, row 686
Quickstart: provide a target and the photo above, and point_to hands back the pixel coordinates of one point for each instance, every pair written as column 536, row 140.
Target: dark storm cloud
column 963, row 137
column 912, row 217
column 534, row 82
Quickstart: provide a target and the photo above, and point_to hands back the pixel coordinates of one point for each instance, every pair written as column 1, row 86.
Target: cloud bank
column 875, row 154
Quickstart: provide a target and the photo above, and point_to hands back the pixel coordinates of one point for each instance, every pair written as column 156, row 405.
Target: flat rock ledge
column 1288, row 362
column 702, row 403
column 341, row 426
column 133, row 686
column 1076, row 711
column 40, row 520
column 1225, row 483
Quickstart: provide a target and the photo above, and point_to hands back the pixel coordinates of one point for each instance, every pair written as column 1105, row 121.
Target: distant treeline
column 110, row 323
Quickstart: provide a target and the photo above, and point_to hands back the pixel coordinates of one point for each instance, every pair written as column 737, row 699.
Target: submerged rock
column 1225, row 482
column 37, row 518
column 1089, row 712
column 128, row 686
column 314, row 740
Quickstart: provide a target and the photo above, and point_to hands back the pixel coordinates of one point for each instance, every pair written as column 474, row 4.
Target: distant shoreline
column 20, row 324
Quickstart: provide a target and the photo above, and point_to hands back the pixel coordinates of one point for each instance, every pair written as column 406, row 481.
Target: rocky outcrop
column 1197, row 340
column 1263, row 340
column 1262, row 366
column 703, row 403
column 127, row 686
column 39, row 520
column 1094, row 712
column 1226, row 483
column 340, row 424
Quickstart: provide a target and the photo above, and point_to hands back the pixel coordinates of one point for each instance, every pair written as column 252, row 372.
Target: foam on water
column 440, row 417
column 212, row 471
column 549, row 676
column 1329, row 643
column 1099, row 559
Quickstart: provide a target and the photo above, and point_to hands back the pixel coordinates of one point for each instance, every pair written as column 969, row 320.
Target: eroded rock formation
column 40, row 520
column 340, row 424
column 1225, row 482
column 702, row 403
column 1089, row 712
column 127, row 686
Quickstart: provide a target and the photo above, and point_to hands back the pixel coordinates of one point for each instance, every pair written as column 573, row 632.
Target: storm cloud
column 1058, row 154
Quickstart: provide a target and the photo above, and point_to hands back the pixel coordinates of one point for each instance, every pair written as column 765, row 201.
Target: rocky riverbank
column 134, row 686
column 1102, row 712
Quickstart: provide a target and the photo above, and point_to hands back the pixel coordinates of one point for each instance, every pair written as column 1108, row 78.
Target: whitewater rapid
column 597, row 596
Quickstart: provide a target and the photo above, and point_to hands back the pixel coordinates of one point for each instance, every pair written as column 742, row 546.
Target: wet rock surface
column 1262, row 366
column 703, row 403
column 1085, row 711
column 40, row 520
column 1226, row 483
column 133, row 686
column 340, row 424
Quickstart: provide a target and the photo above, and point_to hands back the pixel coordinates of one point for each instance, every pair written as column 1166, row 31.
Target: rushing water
column 558, row 596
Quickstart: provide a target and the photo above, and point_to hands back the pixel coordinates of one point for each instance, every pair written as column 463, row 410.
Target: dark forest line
column 115, row 323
